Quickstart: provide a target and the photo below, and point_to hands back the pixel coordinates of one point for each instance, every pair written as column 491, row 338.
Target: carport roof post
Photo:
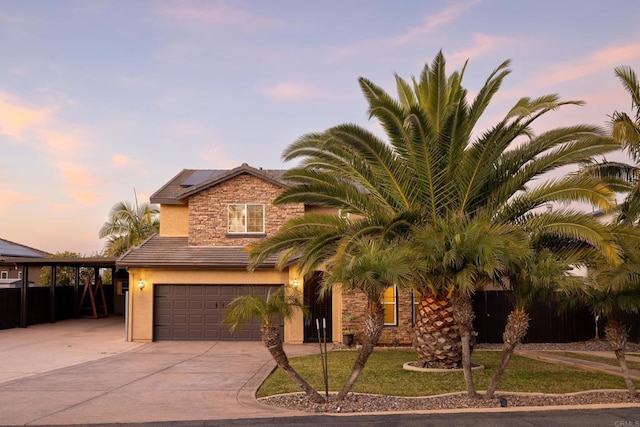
column 24, row 262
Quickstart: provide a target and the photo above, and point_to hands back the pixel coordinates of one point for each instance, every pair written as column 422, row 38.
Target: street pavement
column 80, row 372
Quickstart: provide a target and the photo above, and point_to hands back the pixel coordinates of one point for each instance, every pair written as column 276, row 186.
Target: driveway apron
column 129, row 382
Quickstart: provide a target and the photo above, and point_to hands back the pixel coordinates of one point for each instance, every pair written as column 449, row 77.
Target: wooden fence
column 547, row 324
column 38, row 305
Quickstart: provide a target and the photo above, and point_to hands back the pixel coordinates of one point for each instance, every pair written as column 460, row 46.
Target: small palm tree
column 369, row 266
column 611, row 304
column 535, row 280
column 613, row 289
column 128, row 226
column 455, row 257
column 275, row 307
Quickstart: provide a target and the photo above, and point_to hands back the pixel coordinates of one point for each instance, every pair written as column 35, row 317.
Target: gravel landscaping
column 376, row 403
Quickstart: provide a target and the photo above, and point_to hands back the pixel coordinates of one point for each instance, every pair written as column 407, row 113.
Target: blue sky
column 100, row 97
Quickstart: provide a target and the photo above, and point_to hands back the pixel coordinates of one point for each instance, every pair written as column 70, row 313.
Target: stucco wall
column 174, row 220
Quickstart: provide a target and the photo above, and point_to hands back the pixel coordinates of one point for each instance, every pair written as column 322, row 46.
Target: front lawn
column 384, row 375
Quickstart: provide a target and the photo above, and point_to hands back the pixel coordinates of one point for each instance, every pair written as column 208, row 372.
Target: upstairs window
column 246, row 219
column 4, row 275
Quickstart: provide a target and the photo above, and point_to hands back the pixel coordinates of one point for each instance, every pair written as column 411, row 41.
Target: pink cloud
column 482, row 45
column 79, row 182
column 16, row 119
column 430, row 24
column 120, row 160
column 206, row 14
column 76, row 175
column 292, row 91
column 86, row 197
column 10, row 197
column 216, row 156
column 60, row 143
column 606, row 59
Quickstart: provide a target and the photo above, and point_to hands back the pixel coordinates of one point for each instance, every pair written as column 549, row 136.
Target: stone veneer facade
column 354, row 303
column 208, row 212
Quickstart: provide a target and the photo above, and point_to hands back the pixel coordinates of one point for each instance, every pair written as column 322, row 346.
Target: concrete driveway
column 83, row 372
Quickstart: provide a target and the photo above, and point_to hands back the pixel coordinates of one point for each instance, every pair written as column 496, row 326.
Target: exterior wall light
column 295, row 283
column 141, row 284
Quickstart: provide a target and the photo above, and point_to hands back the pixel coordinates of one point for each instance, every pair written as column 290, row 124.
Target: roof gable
column 191, row 181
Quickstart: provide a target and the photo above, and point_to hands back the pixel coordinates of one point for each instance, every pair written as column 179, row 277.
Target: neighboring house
column 9, row 271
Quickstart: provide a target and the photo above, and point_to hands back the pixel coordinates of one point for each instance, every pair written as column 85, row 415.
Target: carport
column 23, row 264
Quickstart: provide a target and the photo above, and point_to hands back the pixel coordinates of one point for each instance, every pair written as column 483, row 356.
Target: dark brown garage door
column 195, row 312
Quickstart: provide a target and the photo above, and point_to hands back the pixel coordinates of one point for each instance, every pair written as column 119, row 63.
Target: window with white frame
column 246, row 218
column 4, row 274
column 390, row 305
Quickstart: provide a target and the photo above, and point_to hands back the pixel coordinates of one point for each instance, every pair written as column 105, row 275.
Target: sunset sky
column 101, row 97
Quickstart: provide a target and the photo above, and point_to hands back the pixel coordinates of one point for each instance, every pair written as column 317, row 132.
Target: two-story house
column 181, row 280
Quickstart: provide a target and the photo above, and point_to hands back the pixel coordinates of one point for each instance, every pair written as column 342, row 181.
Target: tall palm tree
column 128, row 226
column 626, row 129
column 276, row 306
column 625, row 177
column 434, row 162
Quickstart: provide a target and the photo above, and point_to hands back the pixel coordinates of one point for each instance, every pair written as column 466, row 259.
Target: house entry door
column 319, row 307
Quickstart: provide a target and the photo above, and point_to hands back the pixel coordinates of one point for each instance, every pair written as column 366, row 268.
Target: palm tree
column 128, row 226
column 454, row 257
column 369, row 266
column 435, row 162
column 277, row 305
column 625, row 177
column 365, row 264
column 613, row 290
column 535, row 280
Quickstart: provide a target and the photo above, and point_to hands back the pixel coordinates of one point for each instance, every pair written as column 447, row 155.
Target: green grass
column 598, row 359
column 384, row 375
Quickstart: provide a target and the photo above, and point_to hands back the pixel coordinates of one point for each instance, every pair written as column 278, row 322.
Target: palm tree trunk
column 463, row 315
column 272, row 340
column 437, row 339
column 373, row 325
column 616, row 334
column 514, row 331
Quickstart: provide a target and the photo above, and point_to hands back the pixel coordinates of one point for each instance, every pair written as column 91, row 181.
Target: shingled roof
column 175, row 252
column 191, row 181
